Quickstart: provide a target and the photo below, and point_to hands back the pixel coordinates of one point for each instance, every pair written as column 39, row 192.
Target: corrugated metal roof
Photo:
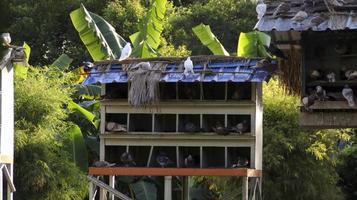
column 336, row 22
column 338, row 18
column 238, row 70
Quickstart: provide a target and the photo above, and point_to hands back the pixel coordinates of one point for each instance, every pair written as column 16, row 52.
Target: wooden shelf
column 112, row 102
column 332, row 84
column 154, row 171
column 332, row 105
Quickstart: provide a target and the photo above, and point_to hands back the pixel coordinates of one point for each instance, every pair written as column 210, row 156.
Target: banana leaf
column 87, row 114
column 144, row 190
column 77, row 147
column 252, row 44
column 62, row 63
column 88, row 92
column 204, row 33
column 148, row 38
column 98, row 35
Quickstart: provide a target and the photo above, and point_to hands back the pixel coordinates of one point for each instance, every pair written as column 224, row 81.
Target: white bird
column 347, row 93
column 188, row 65
column 126, row 52
column 103, row 164
column 261, row 9
column 300, row 16
column 6, row 39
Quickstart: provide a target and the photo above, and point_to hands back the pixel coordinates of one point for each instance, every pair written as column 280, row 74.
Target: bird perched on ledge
column 188, row 65
column 103, row 164
column 127, row 159
column 5, row 40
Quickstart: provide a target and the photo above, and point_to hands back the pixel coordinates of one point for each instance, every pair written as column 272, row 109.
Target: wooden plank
column 154, row 171
column 328, row 119
column 332, row 105
column 184, row 103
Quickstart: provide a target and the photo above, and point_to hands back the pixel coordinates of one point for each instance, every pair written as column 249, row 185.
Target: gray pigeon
column 241, row 162
column 5, row 39
column 189, row 161
column 347, row 93
column 115, row 127
column 320, row 93
column 241, row 127
column 127, row 159
column 308, row 101
column 191, row 127
column 220, row 129
column 282, row 8
column 318, row 19
column 300, row 16
column 103, row 164
column 163, row 160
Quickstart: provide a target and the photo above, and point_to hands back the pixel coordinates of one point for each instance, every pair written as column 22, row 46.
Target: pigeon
column 189, row 161
column 5, row 39
column 188, row 65
column 127, row 159
column 275, row 51
column 331, row 77
column 347, row 93
column 300, row 16
column 308, row 4
column 163, row 160
column 352, row 75
column 241, row 162
column 190, row 127
column 103, row 164
column 241, row 127
column 315, row 74
column 262, row 63
column 126, row 52
column 115, row 127
column 308, row 101
column 261, row 9
column 336, row 2
column 318, row 19
column 320, row 93
column 87, row 66
column 282, row 8
column 220, row 129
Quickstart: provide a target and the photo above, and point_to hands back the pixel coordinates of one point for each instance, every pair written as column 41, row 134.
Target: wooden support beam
column 154, row 171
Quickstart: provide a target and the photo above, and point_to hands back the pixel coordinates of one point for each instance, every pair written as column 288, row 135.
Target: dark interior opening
column 238, row 154
column 234, row 120
column 190, row 91
column 213, row 157
column 185, row 153
column 140, row 123
column 164, row 151
column 140, row 155
column 116, row 91
column 165, row 122
column 210, row 121
column 167, row 91
column 239, row 91
column 189, row 123
column 214, row 91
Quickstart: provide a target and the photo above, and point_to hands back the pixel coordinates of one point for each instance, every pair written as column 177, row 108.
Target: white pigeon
column 188, row 65
column 331, row 77
column 126, row 52
column 347, row 93
column 6, row 39
column 261, row 9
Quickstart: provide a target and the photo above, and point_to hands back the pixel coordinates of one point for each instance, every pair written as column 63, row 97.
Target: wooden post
column 168, row 188
column 111, row 184
column 185, row 188
column 245, row 191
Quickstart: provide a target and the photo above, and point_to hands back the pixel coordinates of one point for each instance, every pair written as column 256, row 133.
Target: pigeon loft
column 206, row 122
column 320, row 50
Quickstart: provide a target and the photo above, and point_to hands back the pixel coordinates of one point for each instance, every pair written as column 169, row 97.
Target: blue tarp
column 220, row 71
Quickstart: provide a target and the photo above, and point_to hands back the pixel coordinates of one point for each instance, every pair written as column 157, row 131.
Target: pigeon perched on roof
column 188, row 65
column 318, row 19
column 163, row 160
column 282, row 8
column 300, row 16
column 308, row 101
column 336, row 2
column 126, row 52
column 261, row 9
column 127, row 159
column 320, row 93
column 103, row 164
column 347, row 93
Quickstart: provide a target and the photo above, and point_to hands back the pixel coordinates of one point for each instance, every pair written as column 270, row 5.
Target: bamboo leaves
column 204, row 33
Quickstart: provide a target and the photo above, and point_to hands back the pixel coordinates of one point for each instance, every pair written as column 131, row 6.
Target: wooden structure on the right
column 321, row 53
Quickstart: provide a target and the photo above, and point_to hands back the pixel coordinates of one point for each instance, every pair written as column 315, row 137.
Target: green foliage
column 44, row 169
column 99, row 36
column 204, row 33
column 348, row 172
column 144, row 190
column 227, row 18
column 63, row 62
column 252, row 44
column 147, row 40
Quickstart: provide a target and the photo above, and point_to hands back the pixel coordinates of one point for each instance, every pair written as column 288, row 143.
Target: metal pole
column 245, row 191
column 111, row 184
column 168, row 188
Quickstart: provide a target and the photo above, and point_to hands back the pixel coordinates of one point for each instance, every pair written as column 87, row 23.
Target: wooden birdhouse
column 204, row 122
column 321, row 57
